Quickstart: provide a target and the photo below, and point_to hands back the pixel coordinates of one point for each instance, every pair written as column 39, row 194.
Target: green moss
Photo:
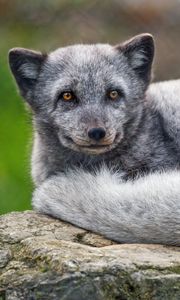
column 2, row 296
column 44, row 269
column 158, row 269
column 174, row 269
column 16, row 248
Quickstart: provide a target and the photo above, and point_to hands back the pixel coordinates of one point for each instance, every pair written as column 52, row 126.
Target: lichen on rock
column 44, row 258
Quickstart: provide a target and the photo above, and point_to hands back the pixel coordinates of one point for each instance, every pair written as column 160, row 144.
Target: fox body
column 106, row 143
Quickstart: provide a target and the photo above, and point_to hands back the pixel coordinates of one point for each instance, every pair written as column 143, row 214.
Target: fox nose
column 96, row 133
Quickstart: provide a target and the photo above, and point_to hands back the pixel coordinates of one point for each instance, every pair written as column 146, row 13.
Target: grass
column 15, row 132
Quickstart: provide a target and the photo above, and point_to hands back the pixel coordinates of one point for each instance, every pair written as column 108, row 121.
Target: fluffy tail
column 146, row 210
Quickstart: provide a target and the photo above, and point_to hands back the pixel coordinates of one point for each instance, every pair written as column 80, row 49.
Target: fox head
column 88, row 94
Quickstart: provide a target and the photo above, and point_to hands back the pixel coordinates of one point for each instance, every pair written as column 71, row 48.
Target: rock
column 42, row 258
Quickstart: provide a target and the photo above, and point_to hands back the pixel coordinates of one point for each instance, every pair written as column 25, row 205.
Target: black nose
column 96, row 133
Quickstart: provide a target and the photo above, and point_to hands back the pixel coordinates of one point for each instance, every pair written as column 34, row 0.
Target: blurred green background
column 48, row 24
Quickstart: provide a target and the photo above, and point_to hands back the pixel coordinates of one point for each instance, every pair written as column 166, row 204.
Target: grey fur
column 129, row 189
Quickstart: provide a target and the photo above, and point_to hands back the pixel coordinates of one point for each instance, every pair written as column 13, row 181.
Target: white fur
column 146, row 210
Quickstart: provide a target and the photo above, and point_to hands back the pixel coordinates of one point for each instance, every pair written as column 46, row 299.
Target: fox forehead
column 91, row 66
column 83, row 53
column 86, row 59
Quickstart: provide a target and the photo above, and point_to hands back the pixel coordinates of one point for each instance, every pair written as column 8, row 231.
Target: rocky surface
column 43, row 258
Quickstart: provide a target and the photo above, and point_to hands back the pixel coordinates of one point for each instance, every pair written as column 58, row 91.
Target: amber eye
column 113, row 95
column 67, row 96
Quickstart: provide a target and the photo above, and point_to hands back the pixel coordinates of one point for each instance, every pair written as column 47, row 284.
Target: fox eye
column 113, row 95
column 68, row 96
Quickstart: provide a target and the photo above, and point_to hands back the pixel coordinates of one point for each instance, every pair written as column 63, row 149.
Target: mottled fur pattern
column 125, row 186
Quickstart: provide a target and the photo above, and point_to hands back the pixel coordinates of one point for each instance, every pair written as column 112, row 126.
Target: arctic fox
column 106, row 154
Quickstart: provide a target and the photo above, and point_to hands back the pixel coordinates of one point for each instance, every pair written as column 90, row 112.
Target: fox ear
column 139, row 52
column 25, row 65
